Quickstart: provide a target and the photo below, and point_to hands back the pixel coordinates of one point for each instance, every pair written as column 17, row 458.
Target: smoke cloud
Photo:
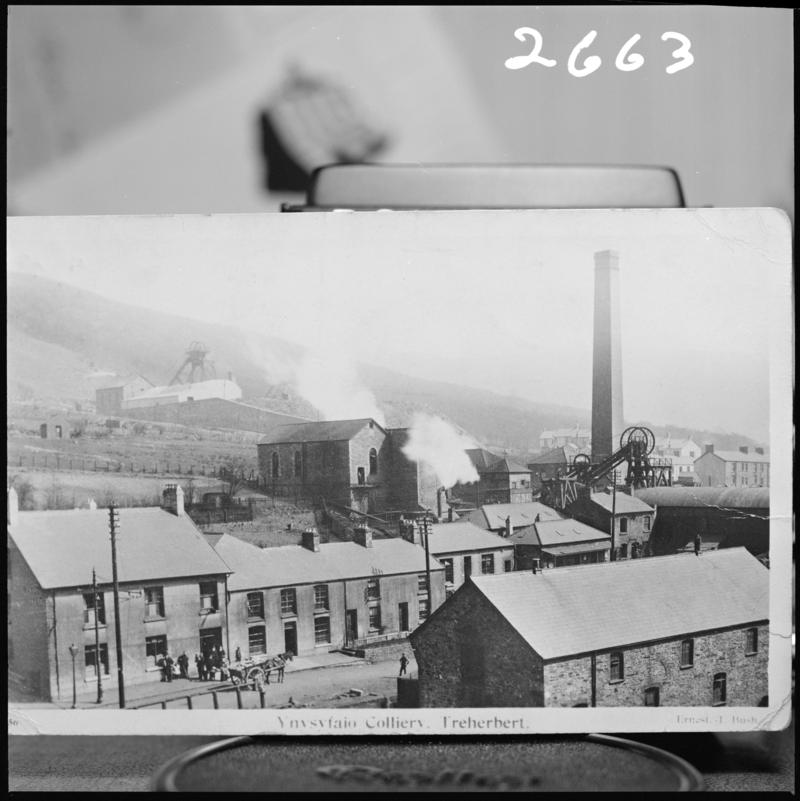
column 437, row 445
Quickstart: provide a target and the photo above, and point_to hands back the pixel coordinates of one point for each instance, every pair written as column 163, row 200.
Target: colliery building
column 500, row 480
column 506, row 518
column 742, row 468
column 724, row 518
column 357, row 464
column 311, row 597
column 559, row 543
column 677, row 630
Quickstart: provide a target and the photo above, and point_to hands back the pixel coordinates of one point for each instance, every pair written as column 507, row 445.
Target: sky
column 496, row 300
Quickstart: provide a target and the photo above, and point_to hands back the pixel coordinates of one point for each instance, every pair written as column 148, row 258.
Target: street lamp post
column 73, row 650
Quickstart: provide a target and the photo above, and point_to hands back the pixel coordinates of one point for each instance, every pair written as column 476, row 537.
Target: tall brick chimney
column 607, row 417
column 172, row 499
column 363, row 536
column 13, row 506
column 709, row 447
column 310, row 539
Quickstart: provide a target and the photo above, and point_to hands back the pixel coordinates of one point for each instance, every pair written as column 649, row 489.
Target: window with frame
column 508, row 566
column 423, row 609
column 209, row 601
column 257, row 640
column 373, row 461
column 298, row 464
column 155, row 647
column 288, row 601
column 448, row 570
column 720, row 689
column 255, row 604
column 276, row 464
column 687, row 653
column 487, row 563
column 90, row 661
column 751, row 641
column 373, row 589
column 646, row 523
column 321, row 600
column 322, row 630
column 422, row 583
column 89, row 609
column 375, row 617
column 616, row 666
column 623, row 525
column 154, row 601
column 652, row 696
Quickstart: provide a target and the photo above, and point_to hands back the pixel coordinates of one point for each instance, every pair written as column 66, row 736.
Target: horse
column 278, row 665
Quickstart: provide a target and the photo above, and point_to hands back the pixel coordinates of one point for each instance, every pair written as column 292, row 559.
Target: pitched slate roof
column 61, row 547
column 289, row 565
column 728, row 497
column 480, row 457
column 738, row 456
column 575, row 610
column 463, row 536
column 316, row 431
column 503, row 465
column 557, row 532
column 623, row 505
column 493, row 515
column 555, row 456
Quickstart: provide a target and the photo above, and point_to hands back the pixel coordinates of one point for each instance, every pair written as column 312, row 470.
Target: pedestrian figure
column 221, row 656
column 197, row 663
column 403, row 664
column 238, row 654
column 202, row 668
column 162, row 664
column 169, row 662
column 698, row 542
column 183, row 664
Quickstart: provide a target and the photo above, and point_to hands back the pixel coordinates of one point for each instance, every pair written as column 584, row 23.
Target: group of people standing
column 210, row 663
column 168, row 667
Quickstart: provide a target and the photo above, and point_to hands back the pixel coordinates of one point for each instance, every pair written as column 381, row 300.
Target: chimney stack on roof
column 172, row 499
column 310, row 539
column 92, row 504
column 744, row 449
column 363, row 536
column 709, row 447
column 509, row 527
column 13, row 506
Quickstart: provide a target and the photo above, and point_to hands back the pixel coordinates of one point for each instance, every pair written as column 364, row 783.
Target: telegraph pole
column 97, row 661
column 427, row 564
column 613, row 513
column 113, row 519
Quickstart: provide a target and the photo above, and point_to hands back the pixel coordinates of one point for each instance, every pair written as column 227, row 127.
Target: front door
column 210, row 638
column 351, row 626
column 467, row 566
column 403, row 608
column 290, row 637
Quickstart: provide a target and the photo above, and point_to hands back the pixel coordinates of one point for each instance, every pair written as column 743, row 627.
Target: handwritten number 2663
column 626, row 60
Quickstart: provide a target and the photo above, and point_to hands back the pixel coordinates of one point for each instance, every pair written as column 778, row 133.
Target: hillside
column 64, row 342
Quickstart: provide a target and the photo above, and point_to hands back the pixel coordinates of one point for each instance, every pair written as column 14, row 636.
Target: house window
column 322, row 630
column 487, row 563
column 257, row 640
column 652, row 696
column 616, row 665
column 448, row 570
column 373, row 461
column 255, row 604
column 751, row 641
column 321, row 602
column 646, row 522
column 687, row 653
column 154, row 601
column 90, row 661
column 508, row 566
column 276, row 465
column 208, row 596
column 288, row 601
column 423, row 609
column 375, row 617
column 467, row 566
column 422, row 583
column 362, row 479
column 720, row 689
column 373, row 589
column 298, row 464
column 155, row 648
column 89, row 606
column 623, row 525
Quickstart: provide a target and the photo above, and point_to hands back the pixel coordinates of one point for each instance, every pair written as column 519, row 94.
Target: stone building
column 505, row 518
column 581, row 438
column 742, row 468
column 559, row 543
column 311, row 597
column 184, row 393
column 500, row 480
column 676, row 630
column 682, row 452
column 465, row 549
column 109, row 400
column 172, row 594
column 554, row 462
column 632, row 517
column 353, row 463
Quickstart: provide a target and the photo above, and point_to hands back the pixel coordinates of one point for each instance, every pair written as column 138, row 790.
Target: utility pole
column 427, row 563
column 97, row 660
column 113, row 519
column 613, row 515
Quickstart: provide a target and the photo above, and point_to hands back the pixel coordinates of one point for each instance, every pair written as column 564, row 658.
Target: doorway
column 403, row 616
column 209, row 638
column 351, row 626
column 290, row 637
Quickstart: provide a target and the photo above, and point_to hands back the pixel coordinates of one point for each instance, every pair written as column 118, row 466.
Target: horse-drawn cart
column 257, row 669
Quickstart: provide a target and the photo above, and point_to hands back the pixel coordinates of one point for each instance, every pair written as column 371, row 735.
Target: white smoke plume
column 436, row 444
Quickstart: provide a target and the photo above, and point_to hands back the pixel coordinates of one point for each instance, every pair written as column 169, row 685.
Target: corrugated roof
column 316, row 431
column 521, row 514
column 61, row 547
column 504, row 465
column 574, row 610
column 553, row 532
column 623, row 505
column 463, row 536
column 288, row 565
column 738, row 456
column 729, row 497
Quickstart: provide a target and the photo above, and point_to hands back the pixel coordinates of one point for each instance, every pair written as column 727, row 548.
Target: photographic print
column 468, row 472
